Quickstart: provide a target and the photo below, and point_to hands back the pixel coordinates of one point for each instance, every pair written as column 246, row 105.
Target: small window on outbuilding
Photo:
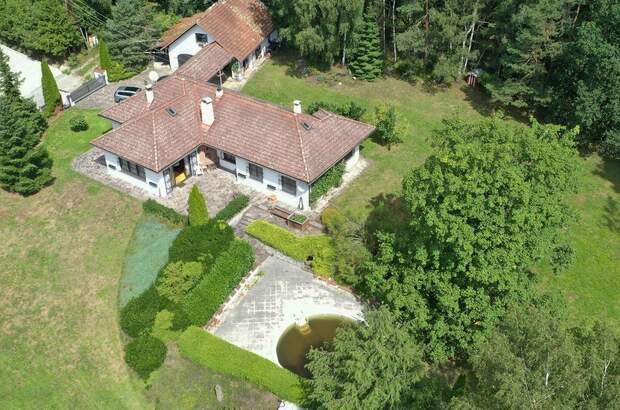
column 256, row 172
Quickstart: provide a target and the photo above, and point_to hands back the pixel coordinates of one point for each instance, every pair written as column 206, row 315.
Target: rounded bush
column 78, row 123
column 145, row 354
column 138, row 316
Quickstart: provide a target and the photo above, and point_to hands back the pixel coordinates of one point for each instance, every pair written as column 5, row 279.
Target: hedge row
column 138, row 315
column 153, row 207
column 205, row 299
column 216, row 354
column 233, row 208
column 316, row 249
column 201, row 243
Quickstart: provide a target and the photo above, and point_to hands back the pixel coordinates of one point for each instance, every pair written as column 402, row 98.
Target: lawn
column 60, row 267
column 592, row 285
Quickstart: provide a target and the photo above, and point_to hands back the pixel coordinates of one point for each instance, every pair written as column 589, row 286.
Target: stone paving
column 278, row 293
column 218, row 186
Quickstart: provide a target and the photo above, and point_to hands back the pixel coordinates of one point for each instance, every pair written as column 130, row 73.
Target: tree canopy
column 370, row 366
column 482, row 209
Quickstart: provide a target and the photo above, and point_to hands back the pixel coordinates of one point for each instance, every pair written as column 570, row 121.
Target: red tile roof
column 258, row 131
column 239, row 26
column 206, row 63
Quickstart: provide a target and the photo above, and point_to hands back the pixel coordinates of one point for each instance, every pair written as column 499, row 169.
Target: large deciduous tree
column 588, row 87
column 367, row 366
column 131, row 32
column 482, row 209
column 535, row 360
column 25, row 166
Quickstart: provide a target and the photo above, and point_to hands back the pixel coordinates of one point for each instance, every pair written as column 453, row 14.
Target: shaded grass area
column 183, row 384
column 217, row 354
column 316, row 249
column 60, row 264
column 146, row 255
column 592, row 285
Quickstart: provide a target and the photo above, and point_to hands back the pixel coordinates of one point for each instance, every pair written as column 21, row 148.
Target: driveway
column 30, row 72
column 104, row 98
column 280, row 291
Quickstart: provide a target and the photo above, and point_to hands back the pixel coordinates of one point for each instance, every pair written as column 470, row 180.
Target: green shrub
column 233, row 208
column 51, row 95
column 332, row 178
column 351, row 109
column 138, row 316
column 201, row 243
column 177, row 279
column 316, row 249
column 227, row 271
column 78, row 123
column 145, row 354
column 198, row 213
column 218, row 355
column 164, row 213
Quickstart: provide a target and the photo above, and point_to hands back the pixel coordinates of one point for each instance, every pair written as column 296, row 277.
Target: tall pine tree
column 131, row 32
column 25, row 166
column 51, row 95
column 366, row 61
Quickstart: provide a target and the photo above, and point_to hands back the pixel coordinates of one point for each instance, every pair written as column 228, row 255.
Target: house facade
column 241, row 27
column 182, row 126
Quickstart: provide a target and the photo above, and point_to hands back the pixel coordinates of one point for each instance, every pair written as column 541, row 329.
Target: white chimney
column 297, row 107
column 219, row 93
column 150, row 96
column 206, row 111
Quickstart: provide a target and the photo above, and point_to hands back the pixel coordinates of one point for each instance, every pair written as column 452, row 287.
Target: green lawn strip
column 216, row 354
column 146, row 255
column 316, row 248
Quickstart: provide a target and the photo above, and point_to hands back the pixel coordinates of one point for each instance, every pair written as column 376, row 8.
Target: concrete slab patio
column 280, row 291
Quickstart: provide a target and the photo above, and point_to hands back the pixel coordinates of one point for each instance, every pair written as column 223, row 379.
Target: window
column 112, row 166
column 132, row 169
column 289, row 185
column 229, row 158
column 256, row 173
column 202, row 38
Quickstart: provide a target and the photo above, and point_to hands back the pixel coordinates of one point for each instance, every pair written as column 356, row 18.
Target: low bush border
column 152, row 207
column 231, row 209
column 214, row 353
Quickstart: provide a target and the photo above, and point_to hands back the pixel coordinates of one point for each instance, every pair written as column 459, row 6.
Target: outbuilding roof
column 239, row 26
column 302, row 146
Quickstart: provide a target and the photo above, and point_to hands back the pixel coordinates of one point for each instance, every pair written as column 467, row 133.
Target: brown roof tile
column 206, row 63
column 258, row 131
column 239, row 26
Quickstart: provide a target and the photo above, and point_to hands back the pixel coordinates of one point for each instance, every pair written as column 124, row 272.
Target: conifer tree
column 198, row 212
column 51, row 95
column 105, row 61
column 366, row 61
column 25, row 166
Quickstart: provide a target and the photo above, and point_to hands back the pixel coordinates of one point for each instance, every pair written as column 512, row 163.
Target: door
column 168, row 181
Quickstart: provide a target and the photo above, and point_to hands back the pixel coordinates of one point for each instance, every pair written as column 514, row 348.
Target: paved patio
column 266, row 304
column 218, row 186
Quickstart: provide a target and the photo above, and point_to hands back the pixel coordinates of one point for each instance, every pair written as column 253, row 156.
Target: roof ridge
column 154, row 133
column 301, row 147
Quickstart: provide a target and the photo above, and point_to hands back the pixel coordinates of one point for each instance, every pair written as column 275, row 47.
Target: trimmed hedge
column 332, row 178
column 198, row 213
column 205, row 299
column 138, row 316
column 201, row 243
column 177, row 279
column 316, row 249
column 233, row 208
column 145, row 354
column 153, row 207
column 216, row 354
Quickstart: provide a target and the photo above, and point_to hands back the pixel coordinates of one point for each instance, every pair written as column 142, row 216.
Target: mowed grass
column 60, row 265
column 592, row 284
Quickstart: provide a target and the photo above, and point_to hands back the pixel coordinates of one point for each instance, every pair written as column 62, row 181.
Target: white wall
column 186, row 44
column 153, row 177
column 271, row 177
column 350, row 163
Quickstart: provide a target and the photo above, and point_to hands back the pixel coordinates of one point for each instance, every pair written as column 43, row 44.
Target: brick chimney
column 150, row 96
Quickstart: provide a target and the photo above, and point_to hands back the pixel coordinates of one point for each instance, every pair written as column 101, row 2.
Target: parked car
column 124, row 92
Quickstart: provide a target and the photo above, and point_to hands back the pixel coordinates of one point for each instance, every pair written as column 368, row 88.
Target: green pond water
column 296, row 341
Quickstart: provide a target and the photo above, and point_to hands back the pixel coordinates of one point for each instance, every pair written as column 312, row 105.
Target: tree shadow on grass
column 389, row 214
column 483, row 105
column 611, row 216
column 610, row 170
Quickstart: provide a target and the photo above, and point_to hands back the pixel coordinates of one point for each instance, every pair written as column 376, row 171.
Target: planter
column 298, row 221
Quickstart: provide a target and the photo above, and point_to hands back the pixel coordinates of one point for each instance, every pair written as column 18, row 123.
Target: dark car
column 124, row 92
